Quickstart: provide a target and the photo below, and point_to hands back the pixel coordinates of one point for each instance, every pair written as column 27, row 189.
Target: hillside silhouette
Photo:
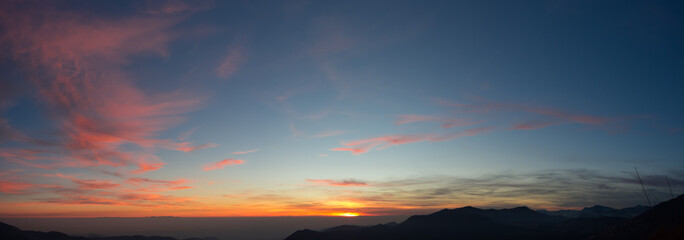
column 664, row 221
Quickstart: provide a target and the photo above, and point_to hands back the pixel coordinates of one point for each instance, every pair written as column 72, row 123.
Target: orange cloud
column 145, row 167
column 221, row 164
column 343, row 183
column 14, row 187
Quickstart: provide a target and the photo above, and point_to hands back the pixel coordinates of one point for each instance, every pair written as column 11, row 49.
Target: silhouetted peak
column 522, row 209
column 343, row 228
column 598, row 208
column 446, row 211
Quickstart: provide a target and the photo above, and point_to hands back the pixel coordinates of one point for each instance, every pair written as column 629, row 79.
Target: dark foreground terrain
column 9, row 232
column 664, row 221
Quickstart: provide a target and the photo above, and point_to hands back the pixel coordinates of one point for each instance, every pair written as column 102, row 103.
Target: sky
column 337, row 108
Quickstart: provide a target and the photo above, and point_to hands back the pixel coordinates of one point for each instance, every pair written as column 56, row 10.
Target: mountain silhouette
column 599, row 211
column 664, row 221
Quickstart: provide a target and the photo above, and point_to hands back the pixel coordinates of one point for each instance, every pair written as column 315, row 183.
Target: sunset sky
column 344, row 108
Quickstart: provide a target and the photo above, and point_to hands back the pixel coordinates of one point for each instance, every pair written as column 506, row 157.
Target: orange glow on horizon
column 347, row 214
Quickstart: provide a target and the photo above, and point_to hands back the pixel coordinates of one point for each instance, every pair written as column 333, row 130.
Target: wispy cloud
column 232, row 62
column 155, row 185
column 145, row 167
column 340, row 183
column 533, row 125
column 14, row 187
column 354, row 151
column 447, row 122
column 185, row 135
column 76, row 61
column 90, row 183
column 555, row 116
column 222, row 163
column 328, row 133
column 185, row 147
column 364, row 145
column 245, row 152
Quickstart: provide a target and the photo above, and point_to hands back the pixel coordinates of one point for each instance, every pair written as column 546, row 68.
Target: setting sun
column 346, row 214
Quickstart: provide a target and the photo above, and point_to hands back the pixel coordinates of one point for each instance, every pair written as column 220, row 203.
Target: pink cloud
column 232, row 62
column 245, row 152
column 76, row 63
column 185, row 147
column 222, row 163
column 355, row 151
column 343, row 183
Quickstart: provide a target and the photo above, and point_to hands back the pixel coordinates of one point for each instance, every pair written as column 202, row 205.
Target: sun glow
column 347, row 214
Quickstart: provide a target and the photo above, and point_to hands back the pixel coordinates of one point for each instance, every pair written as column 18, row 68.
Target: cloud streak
column 186, row 147
column 446, row 122
column 232, row 62
column 222, row 163
column 365, row 145
column 329, row 133
column 245, row 152
column 556, row 116
column 339, row 183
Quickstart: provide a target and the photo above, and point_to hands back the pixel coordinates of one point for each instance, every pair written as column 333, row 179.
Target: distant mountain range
column 664, row 221
column 598, row 211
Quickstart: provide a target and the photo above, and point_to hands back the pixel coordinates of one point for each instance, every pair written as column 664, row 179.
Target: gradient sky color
column 293, row 108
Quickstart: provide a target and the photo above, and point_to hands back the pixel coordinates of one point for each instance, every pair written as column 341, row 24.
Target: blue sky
column 371, row 108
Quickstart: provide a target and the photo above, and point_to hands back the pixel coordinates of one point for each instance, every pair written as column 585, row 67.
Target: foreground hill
column 664, row 221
